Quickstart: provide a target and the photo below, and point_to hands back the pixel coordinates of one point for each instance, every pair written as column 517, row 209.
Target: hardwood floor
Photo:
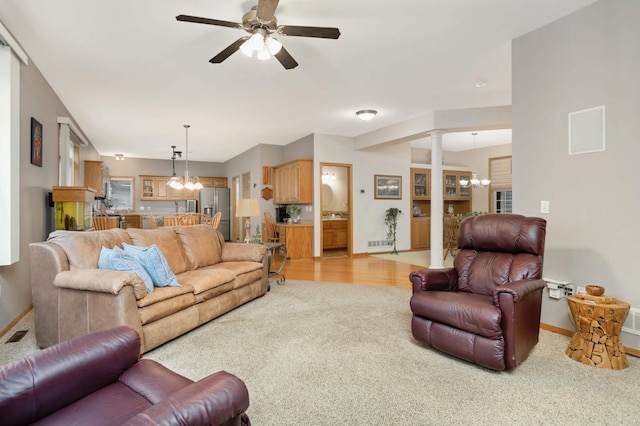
column 351, row 270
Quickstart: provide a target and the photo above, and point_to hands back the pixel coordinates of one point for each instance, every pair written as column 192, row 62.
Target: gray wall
column 586, row 59
column 37, row 100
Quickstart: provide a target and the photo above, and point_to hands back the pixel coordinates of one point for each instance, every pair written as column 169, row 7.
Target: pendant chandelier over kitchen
column 474, row 182
column 187, row 182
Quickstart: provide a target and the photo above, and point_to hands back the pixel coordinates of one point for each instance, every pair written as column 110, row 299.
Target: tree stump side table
column 599, row 321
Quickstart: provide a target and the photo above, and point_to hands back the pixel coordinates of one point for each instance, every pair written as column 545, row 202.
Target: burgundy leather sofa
column 486, row 309
column 97, row 380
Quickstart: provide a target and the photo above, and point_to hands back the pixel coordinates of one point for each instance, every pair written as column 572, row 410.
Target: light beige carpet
column 335, row 354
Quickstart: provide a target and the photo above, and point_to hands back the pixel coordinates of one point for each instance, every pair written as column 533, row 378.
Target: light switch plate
column 544, row 206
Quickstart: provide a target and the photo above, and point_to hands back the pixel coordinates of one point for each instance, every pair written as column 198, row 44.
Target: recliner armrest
column 434, row 280
column 48, row 380
column 213, row 400
column 518, row 289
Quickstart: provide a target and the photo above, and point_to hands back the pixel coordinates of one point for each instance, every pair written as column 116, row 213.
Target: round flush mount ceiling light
column 481, row 83
column 366, row 114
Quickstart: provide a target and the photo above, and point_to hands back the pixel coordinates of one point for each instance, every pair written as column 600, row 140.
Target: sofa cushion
column 166, row 307
column 245, row 272
column 168, row 243
column 154, row 263
column 205, row 279
column 163, row 293
column 118, row 260
column 201, row 244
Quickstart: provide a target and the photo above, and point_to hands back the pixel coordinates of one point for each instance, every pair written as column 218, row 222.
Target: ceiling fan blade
column 320, row 32
column 230, row 50
column 266, row 10
column 286, row 59
column 198, row 20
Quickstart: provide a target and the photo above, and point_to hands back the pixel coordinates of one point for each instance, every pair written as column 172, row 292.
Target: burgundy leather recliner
column 486, row 309
column 97, row 380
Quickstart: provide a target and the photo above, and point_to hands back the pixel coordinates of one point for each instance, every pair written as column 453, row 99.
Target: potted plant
column 391, row 220
column 294, row 212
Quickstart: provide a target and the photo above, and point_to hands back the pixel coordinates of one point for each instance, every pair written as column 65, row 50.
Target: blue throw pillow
column 154, row 263
column 117, row 260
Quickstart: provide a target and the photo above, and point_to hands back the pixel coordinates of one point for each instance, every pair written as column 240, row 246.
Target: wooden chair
column 216, row 220
column 201, row 218
column 152, row 219
column 272, row 235
column 451, row 226
column 103, row 221
column 179, row 219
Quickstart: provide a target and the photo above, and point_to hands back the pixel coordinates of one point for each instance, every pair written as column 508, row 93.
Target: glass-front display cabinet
column 420, row 183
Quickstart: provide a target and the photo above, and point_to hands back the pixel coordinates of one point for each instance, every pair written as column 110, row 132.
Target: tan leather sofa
column 72, row 297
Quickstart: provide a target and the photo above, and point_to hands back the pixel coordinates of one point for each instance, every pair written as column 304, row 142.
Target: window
column 121, row 193
column 502, row 202
column 500, row 187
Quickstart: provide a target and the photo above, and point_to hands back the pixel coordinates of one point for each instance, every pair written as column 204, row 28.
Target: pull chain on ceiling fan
column 261, row 23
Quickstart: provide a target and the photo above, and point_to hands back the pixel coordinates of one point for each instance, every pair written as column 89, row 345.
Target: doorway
column 337, row 210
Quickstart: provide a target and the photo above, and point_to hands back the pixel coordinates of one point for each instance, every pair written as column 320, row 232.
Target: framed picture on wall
column 36, row 142
column 388, row 187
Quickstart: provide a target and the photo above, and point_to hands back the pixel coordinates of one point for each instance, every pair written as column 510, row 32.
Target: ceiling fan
column 261, row 23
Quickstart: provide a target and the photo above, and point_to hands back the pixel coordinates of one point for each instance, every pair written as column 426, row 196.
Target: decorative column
column 437, row 201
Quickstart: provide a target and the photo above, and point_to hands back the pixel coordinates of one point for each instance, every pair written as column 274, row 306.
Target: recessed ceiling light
column 366, row 114
column 481, row 83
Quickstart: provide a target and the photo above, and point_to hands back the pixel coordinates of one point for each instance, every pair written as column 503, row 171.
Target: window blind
column 500, row 173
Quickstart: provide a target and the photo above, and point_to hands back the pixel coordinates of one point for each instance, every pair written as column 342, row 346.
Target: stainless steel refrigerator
column 214, row 200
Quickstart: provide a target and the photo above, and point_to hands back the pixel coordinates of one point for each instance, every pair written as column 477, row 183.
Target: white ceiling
column 131, row 75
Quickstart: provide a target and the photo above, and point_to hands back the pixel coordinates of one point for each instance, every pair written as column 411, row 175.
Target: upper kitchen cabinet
column 96, row 176
column 213, row 182
column 155, row 188
column 293, row 182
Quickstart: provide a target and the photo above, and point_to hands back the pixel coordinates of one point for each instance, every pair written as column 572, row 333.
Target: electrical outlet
column 580, row 289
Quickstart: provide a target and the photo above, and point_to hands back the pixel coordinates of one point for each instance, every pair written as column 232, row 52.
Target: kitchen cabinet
column 131, row 221
column 95, row 177
column 213, row 182
column 335, row 234
column 298, row 238
column 293, row 182
column 155, row 188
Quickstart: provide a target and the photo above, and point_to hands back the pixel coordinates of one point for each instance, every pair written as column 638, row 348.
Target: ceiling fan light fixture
column 246, row 48
column 366, row 114
column 273, row 45
column 256, row 41
column 263, row 54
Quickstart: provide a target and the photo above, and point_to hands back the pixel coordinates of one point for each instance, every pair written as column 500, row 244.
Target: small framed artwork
column 36, row 142
column 388, row 187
